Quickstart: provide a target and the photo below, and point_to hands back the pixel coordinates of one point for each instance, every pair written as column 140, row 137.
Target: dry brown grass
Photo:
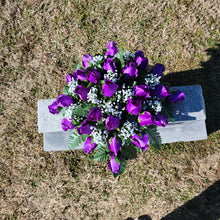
column 40, row 42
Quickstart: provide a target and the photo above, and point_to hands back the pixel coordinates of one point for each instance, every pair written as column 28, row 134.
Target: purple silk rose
column 82, row 92
column 160, row 91
column 145, row 119
column 113, row 165
column 85, row 128
column 141, row 142
column 86, row 59
column 67, row 124
column 112, row 122
column 141, row 62
column 69, row 78
column 109, row 88
column 130, row 70
column 95, row 114
column 94, row 76
column 81, row 74
column 88, row 146
column 115, row 146
column 109, row 65
column 142, row 91
column 64, row 101
column 53, row 108
column 158, row 69
column 160, row 120
column 178, row 96
column 139, row 53
column 134, row 106
column 112, row 49
column 111, row 44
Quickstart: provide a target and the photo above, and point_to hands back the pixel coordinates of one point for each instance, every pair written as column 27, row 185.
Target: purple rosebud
column 85, row 128
column 64, row 100
column 111, row 44
column 111, row 52
column 109, row 88
column 134, row 106
column 141, row 62
column 113, row 165
column 141, row 142
column 82, row 92
column 94, row 76
column 81, row 74
column 88, row 146
column 115, row 146
column 112, row 122
column 95, row 114
column 142, row 91
column 67, row 124
column 86, row 59
column 145, row 119
column 53, row 108
column 160, row 91
column 109, row 65
column 178, row 96
column 158, row 69
column 69, row 78
column 139, row 53
column 160, row 120
column 130, row 70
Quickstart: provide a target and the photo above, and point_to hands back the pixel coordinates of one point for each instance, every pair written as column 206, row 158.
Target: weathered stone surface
column 57, row 141
column 183, row 131
column 189, row 122
column 47, row 122
column 193, row 107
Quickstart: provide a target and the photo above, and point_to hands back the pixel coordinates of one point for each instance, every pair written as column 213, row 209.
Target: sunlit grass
column 40, row 43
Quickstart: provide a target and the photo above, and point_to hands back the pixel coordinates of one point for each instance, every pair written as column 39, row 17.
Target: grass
column 40, row 43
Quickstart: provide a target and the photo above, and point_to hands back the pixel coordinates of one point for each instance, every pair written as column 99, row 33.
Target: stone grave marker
column 189, row 122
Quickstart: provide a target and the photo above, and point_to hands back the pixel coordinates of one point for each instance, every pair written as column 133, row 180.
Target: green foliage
column 122, row 169
column 82, row 110
column 167, row 110
column 77, row 67
column 62, row 111
column 66, row 90
column 102, row 154
column 75, row 140
column 129, row 151
column 119, row 55
column 153, row 135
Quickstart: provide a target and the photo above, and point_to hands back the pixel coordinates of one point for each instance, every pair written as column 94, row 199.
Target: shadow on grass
column 209, row 78
column 202, row 207
column 205, row 206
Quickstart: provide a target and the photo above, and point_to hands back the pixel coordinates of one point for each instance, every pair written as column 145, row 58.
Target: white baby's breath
column 152, row 80
column 128, row 56
column 69, row 111
column 128, row 129
column 72, row 86
column 92, row 96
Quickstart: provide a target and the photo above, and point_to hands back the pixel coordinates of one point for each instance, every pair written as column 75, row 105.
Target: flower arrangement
column 114, row 105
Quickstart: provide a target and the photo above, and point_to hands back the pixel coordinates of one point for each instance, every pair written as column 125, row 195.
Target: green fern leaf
column 129, row 151
column 154, row 136
column 82, row 110
column 167, row 110
column 119, row 55
column 75, row 140
column 102, row 154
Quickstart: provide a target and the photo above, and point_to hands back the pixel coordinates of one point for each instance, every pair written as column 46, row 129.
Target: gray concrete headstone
column 189, row 122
